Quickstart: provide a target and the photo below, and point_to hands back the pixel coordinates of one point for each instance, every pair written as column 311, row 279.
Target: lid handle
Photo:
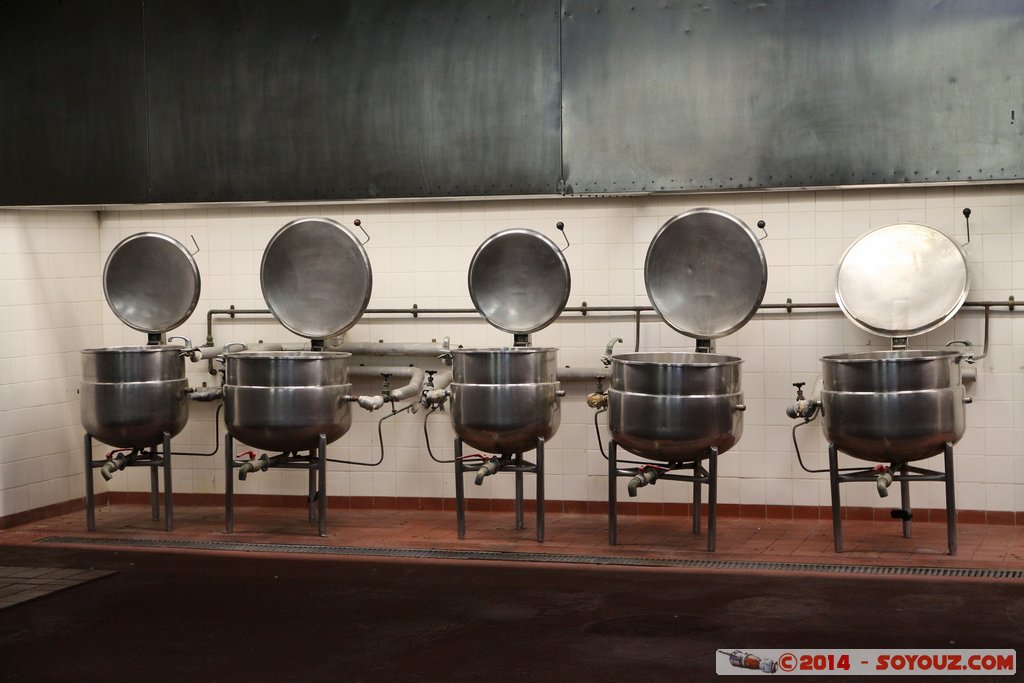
column 359, row 224
column 761, row 225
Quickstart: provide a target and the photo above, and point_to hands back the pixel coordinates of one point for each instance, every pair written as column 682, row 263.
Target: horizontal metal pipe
column 410, row 390
column 391, row 349
column 580, row 374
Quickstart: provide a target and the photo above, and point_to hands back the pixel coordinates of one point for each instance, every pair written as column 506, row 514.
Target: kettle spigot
column 606, row 359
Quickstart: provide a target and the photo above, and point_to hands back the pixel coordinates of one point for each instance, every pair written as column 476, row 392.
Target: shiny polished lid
column 519, row 280
column 902, row 280
column 705, row 273
column 316, row 277
column 151, row 282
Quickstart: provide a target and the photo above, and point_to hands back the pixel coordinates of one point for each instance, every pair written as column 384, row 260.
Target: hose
column 600, row 444
column 216, row 436
column 426, row 437
column 380, row 438
column 800, row 460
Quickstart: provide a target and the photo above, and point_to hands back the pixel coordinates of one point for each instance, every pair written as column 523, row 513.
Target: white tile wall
column 50, row 308
column 420, row 254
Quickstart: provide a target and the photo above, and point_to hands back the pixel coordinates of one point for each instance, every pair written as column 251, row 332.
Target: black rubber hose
column 426, row 437
column 800, row 460
column 600, row 444
column 380, row 438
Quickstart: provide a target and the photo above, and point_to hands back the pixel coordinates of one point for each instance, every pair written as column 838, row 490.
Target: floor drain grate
column 490, row 555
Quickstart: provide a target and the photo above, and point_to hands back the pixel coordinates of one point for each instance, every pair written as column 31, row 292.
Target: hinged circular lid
column 902, row 280
column 151, row 282
column 705, row 273
column 519, row 280
column 316, row 277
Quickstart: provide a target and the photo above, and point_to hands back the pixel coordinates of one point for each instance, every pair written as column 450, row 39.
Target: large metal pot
column 131, row 395
column 673, row 407
column 283, row 400
column 503, row 400
column 893, row 406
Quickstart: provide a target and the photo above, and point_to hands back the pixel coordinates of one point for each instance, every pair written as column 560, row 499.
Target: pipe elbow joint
column 635, row 483
column 370, row 403
column 643, row 478
column 108, row 469
column 597, row 400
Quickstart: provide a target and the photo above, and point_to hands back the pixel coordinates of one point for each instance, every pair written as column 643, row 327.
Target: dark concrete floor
column 204, row 616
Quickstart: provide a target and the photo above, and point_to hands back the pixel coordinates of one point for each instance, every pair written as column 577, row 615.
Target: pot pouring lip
column 644, row 358
column 895, row 356
column 141, row 348
column 286, row 355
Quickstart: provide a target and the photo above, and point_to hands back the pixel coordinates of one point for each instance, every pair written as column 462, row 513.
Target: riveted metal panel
column 321, row 99
column 715, row 94
column 72, row 102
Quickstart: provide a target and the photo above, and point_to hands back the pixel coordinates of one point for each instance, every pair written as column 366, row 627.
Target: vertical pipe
column 321, row 494
column 613, row 473
column 229, row 484
column 520, row 524
column 311, row 496
column 154, row 487
column 90, row 494
column 460, row 496
column 833, row 475
column 905, row 499
column 950, row 501
column 168, row 489
column 712, row 499
column 540, row 490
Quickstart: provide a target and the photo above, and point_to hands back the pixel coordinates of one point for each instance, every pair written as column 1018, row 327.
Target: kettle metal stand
column 503, row 463
column 699, row 476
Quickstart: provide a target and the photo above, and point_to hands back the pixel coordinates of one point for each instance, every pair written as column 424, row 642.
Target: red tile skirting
column 628, row 507
column 37, row 514
column 999, row 517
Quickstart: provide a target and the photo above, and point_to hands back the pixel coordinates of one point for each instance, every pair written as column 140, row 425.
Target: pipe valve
column 647, row 475
column 883, row 479
column 490, row 466
column 599, row 398
column 802, row 406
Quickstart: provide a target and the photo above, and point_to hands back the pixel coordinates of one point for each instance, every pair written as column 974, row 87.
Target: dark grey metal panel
column 684, row 95
column 321, row 99
column 72, row 102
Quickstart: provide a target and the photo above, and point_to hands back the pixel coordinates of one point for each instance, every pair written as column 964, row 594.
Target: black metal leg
column 712, row 498
column 460, row 500
column 168, row 489
column 321, row 494
column 696, row 499
column 540, row 490
column 90, row 494
column 833, row 474
column 905, row 499
column 154, row 489
column 613, row 473
column 229, row 484
column 311, row 496
column 519, row 492
column 950, row 500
